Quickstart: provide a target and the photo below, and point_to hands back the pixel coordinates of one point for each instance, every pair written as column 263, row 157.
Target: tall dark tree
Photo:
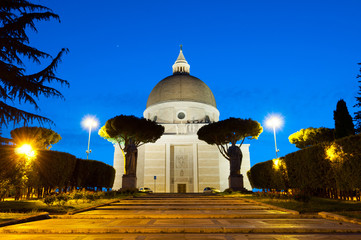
column 358, row 104
column 343, row 121
column 130, row 132
column 16, row 16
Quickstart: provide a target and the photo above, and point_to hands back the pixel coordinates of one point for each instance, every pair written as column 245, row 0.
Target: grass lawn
column 315, row 205
column 351, row 214
column 25, row 206
column 10, row 209
column 16, row 209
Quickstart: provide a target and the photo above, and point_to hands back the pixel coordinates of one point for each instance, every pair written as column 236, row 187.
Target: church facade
column 179, row 161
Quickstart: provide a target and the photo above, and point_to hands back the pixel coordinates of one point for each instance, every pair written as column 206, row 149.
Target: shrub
column 76, row 195
column 128, row 191
column 228, row 190
column 49, row 200
column 99, row 195
column 62, row 198
column 90, row 196
column 110, row 194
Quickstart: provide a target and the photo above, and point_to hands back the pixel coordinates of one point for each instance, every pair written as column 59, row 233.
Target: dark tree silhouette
column 15, row 86
column 311, row 136
column 37, row 137
column 358, row 104
column 230, row 131
column 343, row 121
column 130, row 132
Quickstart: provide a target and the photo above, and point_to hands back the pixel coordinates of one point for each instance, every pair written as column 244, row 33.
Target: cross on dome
column 181, row 65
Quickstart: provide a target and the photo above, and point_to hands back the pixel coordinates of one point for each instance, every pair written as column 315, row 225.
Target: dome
column 181, row 87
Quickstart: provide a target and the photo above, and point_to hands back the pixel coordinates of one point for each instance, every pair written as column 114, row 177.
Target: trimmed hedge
column 8, row 161
column 91, row 174
column 332, row 169
column 309, row 169
column 51, row 170
column 268, row 175
column 55, row 169
column 260, row 175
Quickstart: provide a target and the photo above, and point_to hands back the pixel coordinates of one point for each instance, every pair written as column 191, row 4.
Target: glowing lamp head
column 90, row 122
column 274, row 121
column 276, row 163
column 27, row 150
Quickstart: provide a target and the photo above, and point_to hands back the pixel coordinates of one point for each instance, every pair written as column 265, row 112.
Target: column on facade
column 195, row 167
column 167, row 167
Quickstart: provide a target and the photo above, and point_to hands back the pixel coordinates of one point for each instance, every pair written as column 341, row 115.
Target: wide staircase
column 185, row 216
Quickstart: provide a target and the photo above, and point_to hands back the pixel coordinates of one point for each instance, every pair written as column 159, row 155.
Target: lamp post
column 273, row 122
column 89, row 122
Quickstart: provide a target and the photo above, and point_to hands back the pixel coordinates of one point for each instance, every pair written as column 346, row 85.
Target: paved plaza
column 187, row 216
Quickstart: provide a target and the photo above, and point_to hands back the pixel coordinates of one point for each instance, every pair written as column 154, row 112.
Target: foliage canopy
column 15, row 85
column 311, row 136
column 230, row 130
column 124, row 130
column 38, row 137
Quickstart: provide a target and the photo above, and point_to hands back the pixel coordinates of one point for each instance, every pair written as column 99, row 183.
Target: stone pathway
column 171, row 216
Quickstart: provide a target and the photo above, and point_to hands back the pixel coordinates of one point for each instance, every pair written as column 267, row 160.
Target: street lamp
column 27, row 150
column 89, row 122
column 273, row 122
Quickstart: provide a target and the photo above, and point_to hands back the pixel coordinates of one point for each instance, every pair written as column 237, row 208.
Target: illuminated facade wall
column 181, row 162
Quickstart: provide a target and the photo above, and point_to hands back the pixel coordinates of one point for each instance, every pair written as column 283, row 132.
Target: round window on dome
column 181, row 115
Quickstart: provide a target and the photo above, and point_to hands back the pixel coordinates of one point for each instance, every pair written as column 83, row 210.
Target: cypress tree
column 343, row 121
column 357, row 117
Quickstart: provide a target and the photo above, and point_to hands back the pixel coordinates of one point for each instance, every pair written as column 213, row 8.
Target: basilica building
column 179, row 162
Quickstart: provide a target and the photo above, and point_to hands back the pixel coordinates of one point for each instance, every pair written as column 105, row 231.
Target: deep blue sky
column 295, row 58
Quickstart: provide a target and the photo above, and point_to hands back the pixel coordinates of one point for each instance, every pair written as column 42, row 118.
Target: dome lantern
column 181, row 65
